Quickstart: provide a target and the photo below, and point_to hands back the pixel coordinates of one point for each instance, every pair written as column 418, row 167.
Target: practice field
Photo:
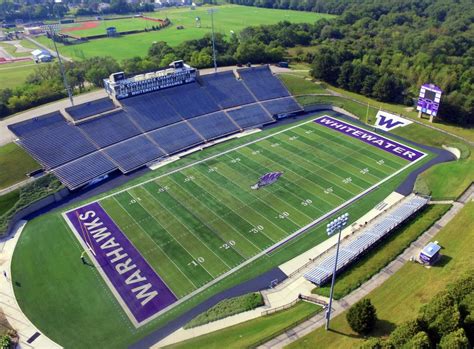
column 227, row 18
column 85, row 29
column 187, row 229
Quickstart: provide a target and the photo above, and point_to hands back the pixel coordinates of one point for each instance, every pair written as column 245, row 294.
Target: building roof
column 431, row 249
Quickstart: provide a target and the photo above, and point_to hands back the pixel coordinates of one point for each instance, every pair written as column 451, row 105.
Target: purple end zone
column 140, row 288
column 371, row 138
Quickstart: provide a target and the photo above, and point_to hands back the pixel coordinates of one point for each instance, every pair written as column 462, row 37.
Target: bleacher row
column 151, row 126
column 352, row 249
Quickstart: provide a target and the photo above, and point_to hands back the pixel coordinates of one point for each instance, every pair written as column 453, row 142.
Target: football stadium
column 229, row 174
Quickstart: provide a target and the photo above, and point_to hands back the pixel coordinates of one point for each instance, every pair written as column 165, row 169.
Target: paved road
column 47, row 49
column 377, row 280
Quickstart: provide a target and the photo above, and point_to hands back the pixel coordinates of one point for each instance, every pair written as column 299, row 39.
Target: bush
column 419, row 341
column 227, row 308
column 362, row 316
column 404, row 333
column 30, row 193
column 454, row 340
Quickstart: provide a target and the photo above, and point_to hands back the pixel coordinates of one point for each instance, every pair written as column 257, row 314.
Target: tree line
column 386, row 49
column 45, row 83
column 445, row 322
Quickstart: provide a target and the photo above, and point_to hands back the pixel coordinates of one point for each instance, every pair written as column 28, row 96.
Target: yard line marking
column 200, row 221
column 247, row 206
column 293, row 235
column 276, row 197
column 374, row 153
column 220, row 218
column 325, row 168
column 154, row 242
column 372, row 150
column 306, row 148
column 308, row 180
column 172, row 235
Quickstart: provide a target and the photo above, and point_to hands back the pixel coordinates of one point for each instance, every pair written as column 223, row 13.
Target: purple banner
column 138, row 285
column 371, row 138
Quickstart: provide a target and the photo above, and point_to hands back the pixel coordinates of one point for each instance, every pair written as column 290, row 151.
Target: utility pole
column 211, row 12
column 61, row 66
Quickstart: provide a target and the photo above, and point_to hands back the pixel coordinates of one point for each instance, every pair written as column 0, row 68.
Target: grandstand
column 96, row 138
column 350, row 250
column 85, row 110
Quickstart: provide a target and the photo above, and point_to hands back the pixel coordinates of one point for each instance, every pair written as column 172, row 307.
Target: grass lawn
column 8, row 200
column 227, row 18
column 299, row 86
column 402, row 295
column 249, row 333
column 15, row 74
column 79, row 295
column 15, row 163
column 122, row 25
column 380, row 256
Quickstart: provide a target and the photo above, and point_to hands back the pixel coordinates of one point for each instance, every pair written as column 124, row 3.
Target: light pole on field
column 61, row 66
column 335, row 226
column 211, row 12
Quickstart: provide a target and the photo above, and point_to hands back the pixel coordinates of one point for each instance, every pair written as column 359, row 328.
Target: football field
column 198, row 223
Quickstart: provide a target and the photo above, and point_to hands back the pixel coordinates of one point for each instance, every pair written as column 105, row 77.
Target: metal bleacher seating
column 109, row 129
column 214, row 125
column 282, row 106
column 176, row 137
column 151, row 111
column 263, row 84
column 134, row 153
column 23, row 128
column 103, row 137
column 190, row 100
column 226, row 90
column 56, row 144
column 83, row 170
column 250, row 116
column 350, row 250
column 85, row 110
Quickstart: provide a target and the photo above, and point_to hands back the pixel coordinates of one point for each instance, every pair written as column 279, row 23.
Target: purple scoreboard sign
column 428, row 101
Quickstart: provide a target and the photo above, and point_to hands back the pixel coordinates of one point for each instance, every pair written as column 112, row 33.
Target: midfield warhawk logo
column 267, row 179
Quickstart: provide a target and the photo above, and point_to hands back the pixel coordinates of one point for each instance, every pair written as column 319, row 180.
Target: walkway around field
column 13, row 316
column 343, row 304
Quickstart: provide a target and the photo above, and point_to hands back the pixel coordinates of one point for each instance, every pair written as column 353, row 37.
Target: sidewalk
column 343, row 304
column 13, row 317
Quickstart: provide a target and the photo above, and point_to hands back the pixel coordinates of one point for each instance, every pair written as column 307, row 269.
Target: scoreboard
column 118, row 86
column 429, row 99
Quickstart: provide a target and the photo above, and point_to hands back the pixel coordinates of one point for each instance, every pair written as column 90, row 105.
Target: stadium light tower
column 211, row 12
column 335, row 226
column 61, row 66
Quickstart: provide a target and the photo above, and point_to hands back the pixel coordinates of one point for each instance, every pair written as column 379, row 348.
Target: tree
column 454, row 340
column 388, row 89
column 419, row 341
column 362, row 316
column 201, row 59
column 404, row 333
column 159, row 50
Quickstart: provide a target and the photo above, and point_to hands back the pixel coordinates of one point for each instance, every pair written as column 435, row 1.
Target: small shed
column 430, row 253
column 41, row 56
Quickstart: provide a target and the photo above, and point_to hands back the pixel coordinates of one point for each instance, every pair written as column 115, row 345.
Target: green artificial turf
column 15, row 163
column 400, row 297
column 55, row 289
